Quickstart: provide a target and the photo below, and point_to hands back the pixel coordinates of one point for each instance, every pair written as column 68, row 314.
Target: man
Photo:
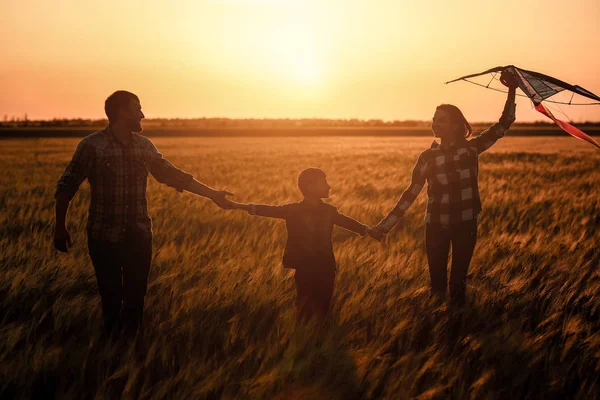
column 116, row 161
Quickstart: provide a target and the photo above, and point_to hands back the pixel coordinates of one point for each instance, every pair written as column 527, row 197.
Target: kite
column 539, row 87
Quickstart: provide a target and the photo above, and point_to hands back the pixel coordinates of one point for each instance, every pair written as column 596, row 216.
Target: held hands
column 376, row 234
column 240, row 206
column 249, row 208
column 62, row 239
column 380, row 231
column 219, row 199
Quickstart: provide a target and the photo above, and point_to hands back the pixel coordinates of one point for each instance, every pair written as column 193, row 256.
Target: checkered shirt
column 451, row 175
column 118, row 175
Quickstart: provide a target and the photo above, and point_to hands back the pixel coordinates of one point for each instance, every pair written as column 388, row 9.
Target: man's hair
column 308, row 176
column 457, row 117
column 116, row 101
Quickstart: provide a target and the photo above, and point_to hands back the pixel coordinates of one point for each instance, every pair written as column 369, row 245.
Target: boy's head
column 312, row 182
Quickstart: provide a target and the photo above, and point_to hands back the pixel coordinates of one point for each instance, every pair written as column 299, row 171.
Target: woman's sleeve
column 496, row 131
column 487, row 138
column 419, row 175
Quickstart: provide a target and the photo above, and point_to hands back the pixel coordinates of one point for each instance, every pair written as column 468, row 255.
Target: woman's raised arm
column 488, row 137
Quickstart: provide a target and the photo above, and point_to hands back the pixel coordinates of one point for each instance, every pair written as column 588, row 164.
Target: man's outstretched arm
column 217, row 196
column 170, row 175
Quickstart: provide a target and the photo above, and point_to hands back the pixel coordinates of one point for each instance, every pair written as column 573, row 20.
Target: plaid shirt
column 309, row 229
column 451, row 174
column 118, row 175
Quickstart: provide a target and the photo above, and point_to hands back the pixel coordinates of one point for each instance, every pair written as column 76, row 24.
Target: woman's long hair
column 457, row 117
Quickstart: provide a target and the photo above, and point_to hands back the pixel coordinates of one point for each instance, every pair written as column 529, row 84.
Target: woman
column 453, row 204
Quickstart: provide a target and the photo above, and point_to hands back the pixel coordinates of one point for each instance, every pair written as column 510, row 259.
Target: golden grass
column 220, row 308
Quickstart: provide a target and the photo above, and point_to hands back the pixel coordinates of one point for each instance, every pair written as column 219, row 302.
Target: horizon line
column 24, row 118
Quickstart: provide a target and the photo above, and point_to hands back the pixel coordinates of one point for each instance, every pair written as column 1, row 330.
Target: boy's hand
column 376, row 234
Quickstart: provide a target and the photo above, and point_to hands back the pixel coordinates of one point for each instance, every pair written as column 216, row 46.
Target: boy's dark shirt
column 309, row 228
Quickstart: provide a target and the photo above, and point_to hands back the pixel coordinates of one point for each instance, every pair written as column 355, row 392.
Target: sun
column 296, row 56
column 303, row 68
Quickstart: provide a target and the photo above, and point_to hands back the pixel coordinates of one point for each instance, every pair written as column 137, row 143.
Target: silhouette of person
column 309, row 249
column 451, row 169
column 116, row 161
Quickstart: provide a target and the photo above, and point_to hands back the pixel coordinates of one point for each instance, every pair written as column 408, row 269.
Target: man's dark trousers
column 122, row 275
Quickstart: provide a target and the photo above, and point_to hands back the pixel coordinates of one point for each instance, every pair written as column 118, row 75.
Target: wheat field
column 220, row 317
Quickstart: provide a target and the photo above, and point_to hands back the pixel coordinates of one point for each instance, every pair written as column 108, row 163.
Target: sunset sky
column 288, row 58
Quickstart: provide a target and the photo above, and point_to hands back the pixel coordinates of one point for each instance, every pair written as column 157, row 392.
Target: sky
column 288, row 58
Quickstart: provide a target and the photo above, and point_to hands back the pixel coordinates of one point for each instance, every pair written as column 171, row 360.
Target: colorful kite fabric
column 570, row 129
column 539, row 87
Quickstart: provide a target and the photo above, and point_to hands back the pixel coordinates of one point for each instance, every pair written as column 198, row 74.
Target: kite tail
column 570, row 129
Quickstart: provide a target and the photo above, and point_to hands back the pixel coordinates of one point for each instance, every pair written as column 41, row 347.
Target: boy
column 309, row 249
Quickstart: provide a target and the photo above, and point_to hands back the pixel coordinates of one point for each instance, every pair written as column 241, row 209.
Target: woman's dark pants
column 438, row 239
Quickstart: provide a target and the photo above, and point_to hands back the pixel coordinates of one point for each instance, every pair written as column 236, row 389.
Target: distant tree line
column 240, row 123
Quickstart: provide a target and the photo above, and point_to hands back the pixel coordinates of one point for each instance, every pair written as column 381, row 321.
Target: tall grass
column 220, row 308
